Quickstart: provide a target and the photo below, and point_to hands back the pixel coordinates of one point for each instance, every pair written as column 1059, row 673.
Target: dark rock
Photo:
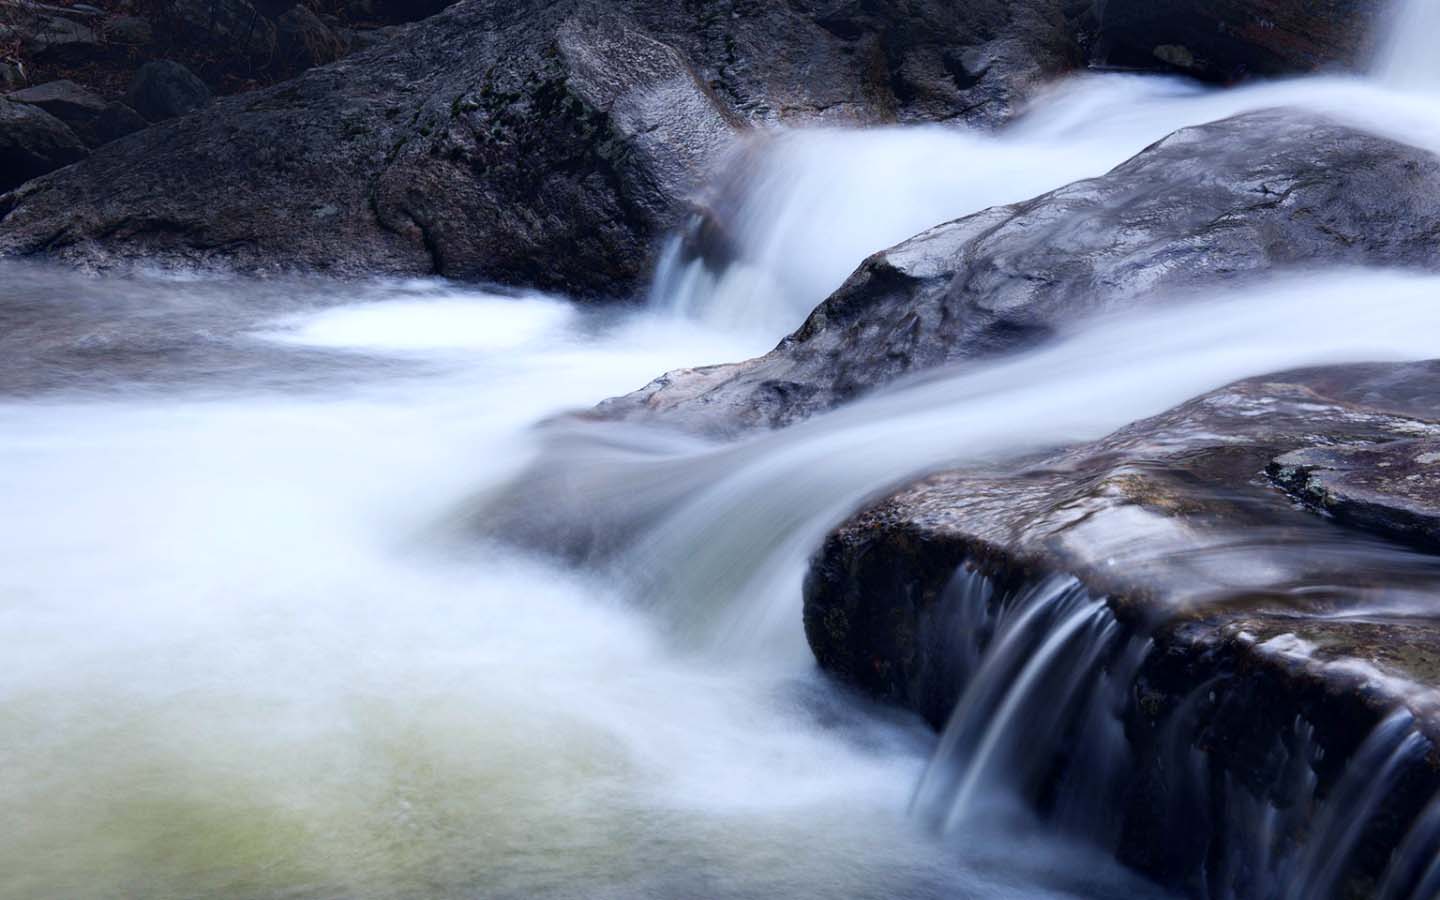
column 1223, row 40
column 117, row 121
column 33, row 143
column 547, row 144
column 1206, row 206
column 70, row 103
column 62, row 39
column 304, row 40
column 164, row 89
column 1261, row 625
column 12, row 75
column 1391, row 488
column 235, row 25
column 129, row 31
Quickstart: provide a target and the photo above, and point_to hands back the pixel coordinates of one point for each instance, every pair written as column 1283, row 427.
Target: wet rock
column 553, row 152
column 1207, row 206
column 33, row 143
column 116, row 121
column 164, row 89
column 70, row 103
column 1264, row 633
column 1229, row 39
column 1391, row 488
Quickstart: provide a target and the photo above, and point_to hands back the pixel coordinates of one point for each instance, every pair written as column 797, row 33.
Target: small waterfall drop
column 1050, row 683
column 1409, row 57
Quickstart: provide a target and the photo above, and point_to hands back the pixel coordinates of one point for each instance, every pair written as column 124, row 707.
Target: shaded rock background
column 233, row 45
column 33, row 142
column 549, row 144
column 1206, row 206
column 107, row 70
column 1227, row 40
column 498, row 141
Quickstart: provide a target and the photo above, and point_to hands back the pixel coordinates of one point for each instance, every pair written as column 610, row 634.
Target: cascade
column 1407, row 57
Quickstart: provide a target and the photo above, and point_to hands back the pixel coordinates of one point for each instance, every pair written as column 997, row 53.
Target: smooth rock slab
column 1391, row 488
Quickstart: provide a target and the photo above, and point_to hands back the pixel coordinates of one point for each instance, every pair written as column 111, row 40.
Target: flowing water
column 249, row 653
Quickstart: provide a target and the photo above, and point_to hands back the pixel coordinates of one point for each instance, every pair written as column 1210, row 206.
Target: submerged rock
column 1261, row 638
column 546, row 144
column 1207, row 206
column 1229, row 39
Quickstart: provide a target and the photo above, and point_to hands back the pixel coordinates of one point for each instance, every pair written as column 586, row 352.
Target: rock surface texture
column 1206, row 206
column 67, row 101
column 1277, row 637
column 32, row 143
column 546, row 144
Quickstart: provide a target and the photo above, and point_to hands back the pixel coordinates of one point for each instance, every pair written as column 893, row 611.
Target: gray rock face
column 1249, row 617
column 1224, row 40
column 1392, row 488
column 32, row 143
column 164, row 89
column 70, row 103
column 1206, row 206
column 547, row 144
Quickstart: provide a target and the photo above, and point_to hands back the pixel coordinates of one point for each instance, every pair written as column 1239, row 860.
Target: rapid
column 255, row 647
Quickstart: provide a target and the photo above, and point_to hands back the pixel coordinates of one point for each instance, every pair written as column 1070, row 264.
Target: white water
column 242, row 659
column 239, row 661
column 811, row 205
column 1408, row 57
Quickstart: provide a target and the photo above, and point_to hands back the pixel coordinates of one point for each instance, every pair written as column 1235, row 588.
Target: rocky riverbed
column 1100, row 470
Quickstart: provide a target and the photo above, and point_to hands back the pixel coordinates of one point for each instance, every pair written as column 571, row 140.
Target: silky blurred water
column 241, row 659
column 247, row 655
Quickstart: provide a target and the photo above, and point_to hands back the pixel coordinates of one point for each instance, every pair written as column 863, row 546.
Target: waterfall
column 1408, row 55
column 1051, row 683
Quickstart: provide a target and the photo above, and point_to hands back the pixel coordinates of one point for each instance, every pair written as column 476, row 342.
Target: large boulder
column 1224, row 40
column 164, row 89
column 32, row 143
column 1161, row 604
column 61, row 38
column 67, row 101
column 547, row 144
column 1206, row 206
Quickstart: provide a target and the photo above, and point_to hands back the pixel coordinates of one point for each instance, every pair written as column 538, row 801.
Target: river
column 254, row 647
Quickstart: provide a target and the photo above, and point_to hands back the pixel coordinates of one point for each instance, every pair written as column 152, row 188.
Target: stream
column 255, row 648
